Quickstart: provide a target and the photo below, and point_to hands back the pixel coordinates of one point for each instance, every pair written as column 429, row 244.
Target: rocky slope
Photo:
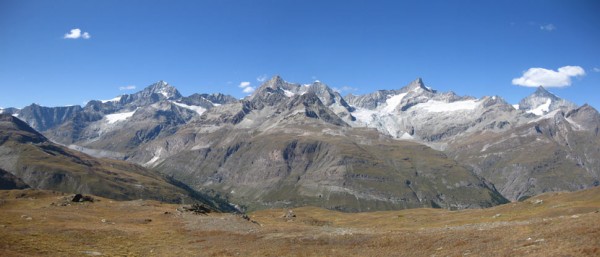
column 283, row 147
column 41, row 164
column 543, row 144
column 558, row 151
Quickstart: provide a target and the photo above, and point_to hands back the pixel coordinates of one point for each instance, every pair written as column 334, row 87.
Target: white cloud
column 596, row 69
column 548, row 27
column 130, row 87
column 76, row 33
column 534, row 77
column 246, row 87
column 262, row 78
column 344, row 88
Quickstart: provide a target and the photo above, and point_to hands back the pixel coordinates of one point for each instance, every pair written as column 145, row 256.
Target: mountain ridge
column 162, row 131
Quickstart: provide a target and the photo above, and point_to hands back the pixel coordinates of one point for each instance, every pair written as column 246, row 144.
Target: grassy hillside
column 553, row 224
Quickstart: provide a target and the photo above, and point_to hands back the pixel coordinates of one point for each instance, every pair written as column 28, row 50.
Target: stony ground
column 43, row 223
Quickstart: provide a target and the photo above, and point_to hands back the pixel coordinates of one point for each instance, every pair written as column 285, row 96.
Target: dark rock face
column 44, row 118
column 82, row 198
column 9, row 181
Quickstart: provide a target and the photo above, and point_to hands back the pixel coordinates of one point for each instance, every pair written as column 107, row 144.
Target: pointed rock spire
column 417, row 85
column 163, row 88
column 541, row 91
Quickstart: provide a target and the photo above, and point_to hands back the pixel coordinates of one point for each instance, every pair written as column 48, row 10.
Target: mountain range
column 290, row 144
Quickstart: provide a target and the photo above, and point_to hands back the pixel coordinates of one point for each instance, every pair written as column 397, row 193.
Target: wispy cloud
column 262, row 78
column 548, row 27
column 534, row 77
column 596, row 69
column 76, row 33
column 130, row 87
column 344, row 89
column 246, row 88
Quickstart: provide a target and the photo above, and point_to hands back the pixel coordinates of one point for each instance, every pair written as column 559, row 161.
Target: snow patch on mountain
column 116, row 99
column 367, row 116
column 439, row 106
column 547, row 116
column 364, row 115
column 392, row 102
column 543, row 108
column 164, row 92
column 516, row 106
column 116, row 117
column 288, row 93
column 197, row 109
column 407, row 136
column 154, row 159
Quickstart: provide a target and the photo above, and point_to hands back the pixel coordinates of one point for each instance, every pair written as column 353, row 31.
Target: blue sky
column 473, row 48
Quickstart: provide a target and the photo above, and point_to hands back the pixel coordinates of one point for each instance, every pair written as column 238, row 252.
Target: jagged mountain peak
column 417, row 85
column 542, row 102
column 163, row 88
column 542, row 92
column 275, row 82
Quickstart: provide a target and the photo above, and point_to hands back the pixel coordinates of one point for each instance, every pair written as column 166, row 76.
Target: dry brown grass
column 563, row 224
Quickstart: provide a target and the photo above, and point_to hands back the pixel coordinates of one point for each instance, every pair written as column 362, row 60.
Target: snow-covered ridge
column 197, row 109
column 116, row 117
column 544, row 117
column 439, row 106
column 367, row 116
column 116, row 99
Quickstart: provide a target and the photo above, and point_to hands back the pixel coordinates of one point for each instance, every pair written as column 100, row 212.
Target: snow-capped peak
column 542, row 102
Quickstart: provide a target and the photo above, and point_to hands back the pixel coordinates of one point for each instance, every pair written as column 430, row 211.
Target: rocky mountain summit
column 292, row 144
column 542, row 102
